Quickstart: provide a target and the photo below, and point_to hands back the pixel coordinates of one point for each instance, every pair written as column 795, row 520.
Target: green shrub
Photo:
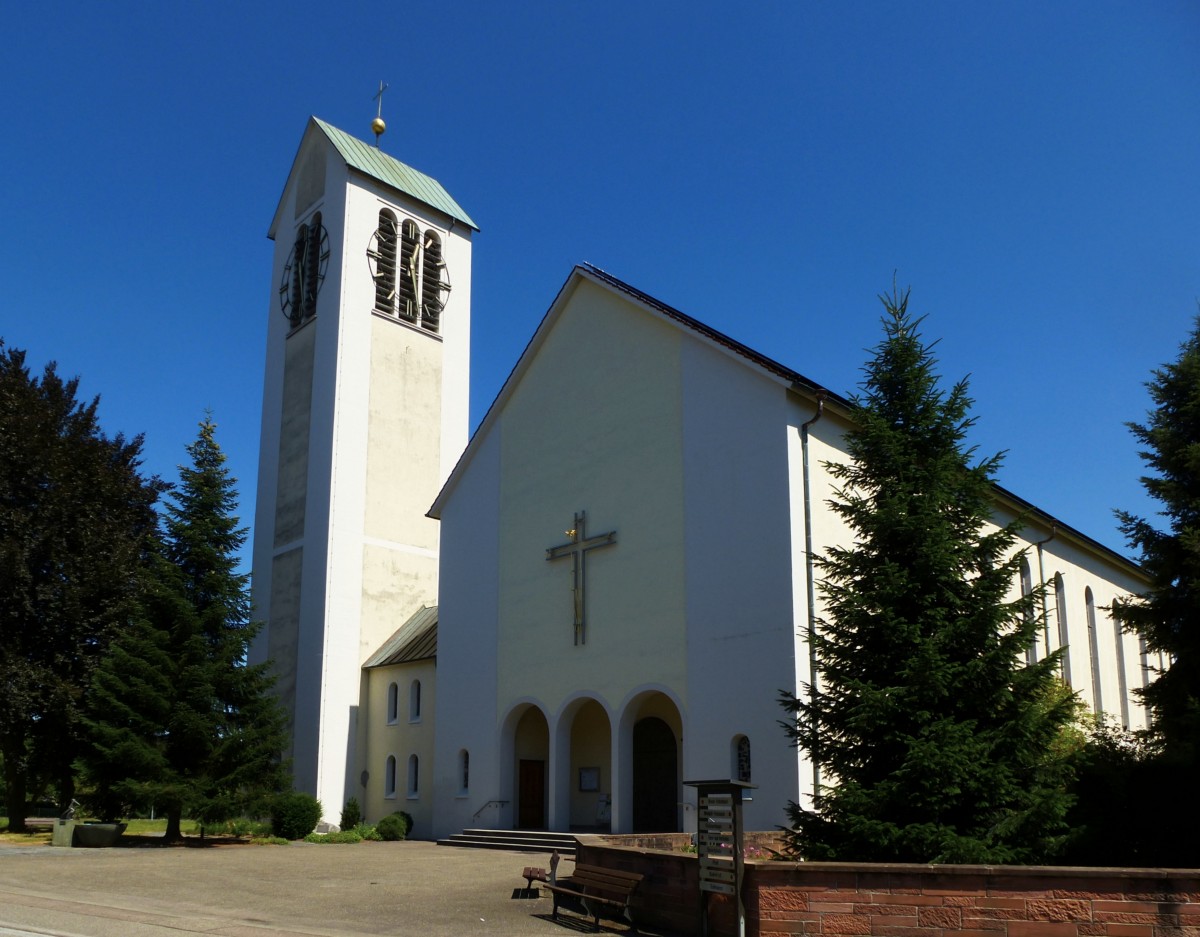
column 294, row 815
column 342, row 836
column 394, row 826
column 243, row 827
column 351, row 815
column 366, row 831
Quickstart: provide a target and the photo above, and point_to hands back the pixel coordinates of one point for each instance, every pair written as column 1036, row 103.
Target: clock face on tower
column 409, row 272
column 304, row 272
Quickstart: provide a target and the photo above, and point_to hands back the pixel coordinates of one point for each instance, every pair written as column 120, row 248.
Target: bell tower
column 365, row 411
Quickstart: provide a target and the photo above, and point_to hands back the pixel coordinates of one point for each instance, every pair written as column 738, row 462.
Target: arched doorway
column 655, row 776
column 531, row 748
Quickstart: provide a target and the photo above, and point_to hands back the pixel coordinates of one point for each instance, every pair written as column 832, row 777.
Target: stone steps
column 515, row 840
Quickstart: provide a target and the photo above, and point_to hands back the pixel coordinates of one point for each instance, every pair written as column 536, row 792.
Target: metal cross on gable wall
column 577, row 548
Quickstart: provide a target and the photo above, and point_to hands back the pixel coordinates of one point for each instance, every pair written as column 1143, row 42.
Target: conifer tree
column 1167, row 616
column 934, row 735
column 76, row 516
column 176, row 702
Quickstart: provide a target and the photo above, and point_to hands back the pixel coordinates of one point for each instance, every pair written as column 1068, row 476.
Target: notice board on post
column 719, row 845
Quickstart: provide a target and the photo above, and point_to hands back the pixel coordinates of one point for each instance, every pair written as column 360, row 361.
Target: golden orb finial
column 377, row 125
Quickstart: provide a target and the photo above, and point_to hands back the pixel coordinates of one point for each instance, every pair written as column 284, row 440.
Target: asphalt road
column 232, row 890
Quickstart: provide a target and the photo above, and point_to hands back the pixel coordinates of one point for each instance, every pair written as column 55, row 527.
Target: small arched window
column 413, row 776
column 1093, row 650
column 393, row 703
column 389, row 777
column 414, row 701
column 464, row 771
column 741, row 758
column 1064, row 639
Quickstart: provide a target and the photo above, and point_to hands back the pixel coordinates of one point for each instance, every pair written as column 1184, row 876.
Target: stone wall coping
column 611, row 841
column 908, row 868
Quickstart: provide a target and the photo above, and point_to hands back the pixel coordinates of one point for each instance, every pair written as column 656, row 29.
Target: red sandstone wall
column 978, row 901
column 851, row 900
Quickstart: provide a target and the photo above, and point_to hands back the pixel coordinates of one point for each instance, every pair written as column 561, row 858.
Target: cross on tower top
column 577, row 548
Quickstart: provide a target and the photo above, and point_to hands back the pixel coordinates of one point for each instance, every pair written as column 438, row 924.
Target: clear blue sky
column 1030, row 169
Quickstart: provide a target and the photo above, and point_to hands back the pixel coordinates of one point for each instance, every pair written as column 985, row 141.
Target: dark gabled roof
column 415, row 640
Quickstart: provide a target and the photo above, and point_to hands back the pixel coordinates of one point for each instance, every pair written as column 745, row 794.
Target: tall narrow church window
column 741, row 766
column 393, row 703
column 414, row 701
column 409, row 290
column 389, row 777
column 295, row 274
column 381, row 256
column 1122, row 685
column 1064, row 640
column 464, row 771
column 314, row 272
column 1144, row 655
column 1093, row 650
column 413, row 776
column 1031, row 653
column 433, row 283
column 304, row 271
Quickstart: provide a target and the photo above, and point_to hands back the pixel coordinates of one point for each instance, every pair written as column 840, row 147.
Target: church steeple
column 365, row 410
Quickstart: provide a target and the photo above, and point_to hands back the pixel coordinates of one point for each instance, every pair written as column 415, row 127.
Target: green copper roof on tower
column 373, row 162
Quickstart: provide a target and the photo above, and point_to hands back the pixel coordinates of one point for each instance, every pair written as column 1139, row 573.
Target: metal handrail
column 490, row 803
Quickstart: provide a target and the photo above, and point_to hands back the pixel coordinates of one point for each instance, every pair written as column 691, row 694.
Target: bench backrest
column 605, row 883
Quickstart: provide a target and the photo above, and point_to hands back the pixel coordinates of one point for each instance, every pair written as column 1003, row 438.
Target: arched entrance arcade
column 651, row 753
column 526, row 752
column 583, row 767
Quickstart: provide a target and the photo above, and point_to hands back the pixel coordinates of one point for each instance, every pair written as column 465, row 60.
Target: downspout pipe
column 809, row 572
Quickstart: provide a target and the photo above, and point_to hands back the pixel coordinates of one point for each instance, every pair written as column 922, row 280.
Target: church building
column 554, row 623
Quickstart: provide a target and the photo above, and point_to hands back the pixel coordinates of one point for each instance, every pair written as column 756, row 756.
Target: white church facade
column 597, row 597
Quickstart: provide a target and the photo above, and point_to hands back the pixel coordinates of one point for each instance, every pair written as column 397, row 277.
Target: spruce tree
column 935, row 737
column 1167, row 615
column 180, row 720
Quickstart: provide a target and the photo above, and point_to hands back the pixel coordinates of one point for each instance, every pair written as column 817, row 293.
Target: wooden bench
column 597, row 888
column 533, row 874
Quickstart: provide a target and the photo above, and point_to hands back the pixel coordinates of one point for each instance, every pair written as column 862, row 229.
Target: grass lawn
column 41, row 837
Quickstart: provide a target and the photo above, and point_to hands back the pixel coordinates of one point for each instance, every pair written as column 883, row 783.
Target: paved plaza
column 236, row 890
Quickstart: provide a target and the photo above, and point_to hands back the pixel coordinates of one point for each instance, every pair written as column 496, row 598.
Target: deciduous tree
column 75, row 517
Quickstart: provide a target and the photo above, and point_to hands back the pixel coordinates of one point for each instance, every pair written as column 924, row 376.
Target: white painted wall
column 468, row 587
column 737, row 541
